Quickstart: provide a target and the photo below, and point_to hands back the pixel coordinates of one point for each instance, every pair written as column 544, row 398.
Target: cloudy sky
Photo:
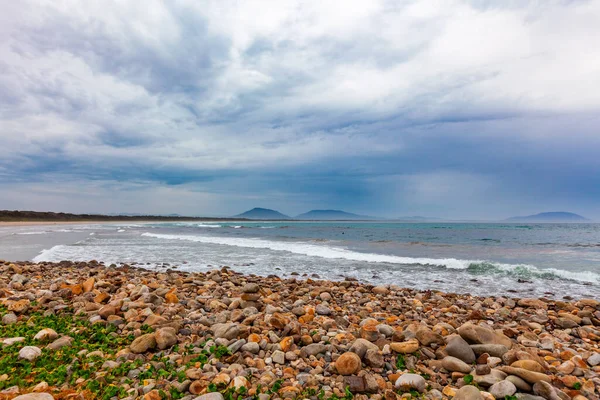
column 455, row 109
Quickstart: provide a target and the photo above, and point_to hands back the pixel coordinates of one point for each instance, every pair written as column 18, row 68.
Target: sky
column 455, row 109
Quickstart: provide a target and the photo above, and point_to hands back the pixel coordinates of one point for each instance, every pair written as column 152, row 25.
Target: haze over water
column 516, row 259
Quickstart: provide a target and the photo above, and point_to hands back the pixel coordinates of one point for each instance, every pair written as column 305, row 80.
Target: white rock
column 46, row 334
column 411, row 381
column 30, row 353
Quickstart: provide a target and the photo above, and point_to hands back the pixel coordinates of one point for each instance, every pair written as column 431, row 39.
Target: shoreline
column 138, row 333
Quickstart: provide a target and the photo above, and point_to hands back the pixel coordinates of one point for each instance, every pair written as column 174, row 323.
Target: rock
column 565, row 323
column 519, row 383
column 35, row 396
column 545, row 390
column 30, row 353
column 9, row 318
column 313, row 350
column 593, row 360
column 360, row 347
column 406, row 382
column 356, row 384
column 278, row 357
column 171, row 298
column 11, row 341
column 88, row 285
column 405, row 347
column 251, row 288
column 501, row 389
column 381, row 290
column 494, row 350
column 322, row 310
column 468, row 392
column 210, row 396
column 528, row 376
column 459, row 348
column 527, row 396
column 426, row 336
column 251, row 347
column 454, row 364
column 60, row 343
column 106, row 311
column 374, row 358
column 165, row 338
column 143, row 343
column 348, row 364
column 533, row 303
column 226, row 331
column 46, row 334
column 20, row 306
column 528, row 365
column 478, row 334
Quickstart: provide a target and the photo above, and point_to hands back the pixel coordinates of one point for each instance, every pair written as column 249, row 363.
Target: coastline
column 142, row 333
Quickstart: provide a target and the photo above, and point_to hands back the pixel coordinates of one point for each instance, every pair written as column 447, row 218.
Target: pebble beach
column 75, row 330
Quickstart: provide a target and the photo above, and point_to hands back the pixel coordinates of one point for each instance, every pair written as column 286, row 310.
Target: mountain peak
column 554, row 216
column 331, row 215
column 262, row 213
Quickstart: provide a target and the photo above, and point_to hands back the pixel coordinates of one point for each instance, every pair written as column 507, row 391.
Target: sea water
column 508, row 259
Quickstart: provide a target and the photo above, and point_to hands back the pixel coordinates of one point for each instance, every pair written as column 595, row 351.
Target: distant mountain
column 418, row 219
column 550, row 217
column 331, row 215
column 262, row 213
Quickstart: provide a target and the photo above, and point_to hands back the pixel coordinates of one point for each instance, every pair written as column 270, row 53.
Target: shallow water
column 551, row 260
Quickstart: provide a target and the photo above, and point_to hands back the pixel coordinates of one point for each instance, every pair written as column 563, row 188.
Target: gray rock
column 545, row 390
column 385, row 329
column 30, row 353
column 374, row 358
column 468, row 392
column 10, row 318
column 526, row 396
column 454, row 364
column 322, row 310
column 594, row 359
column 165, row 338
column 459, row 348
column 11, row 341
column 494, row 350
column 501, row 389
column 60, row 343
column 407, row 382
column 479, row 334
column 226, row 331
column 278, row 357
column 251, row 288
column 488, row 380
column 360, row 347
column 35, row 396
column 251, row 347
column 519, row 383
column 235, row 346
column 143, row 343
column 313, row 350
column 210, row 396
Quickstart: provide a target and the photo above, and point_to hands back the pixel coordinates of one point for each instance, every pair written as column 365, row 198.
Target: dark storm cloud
column 471, row 109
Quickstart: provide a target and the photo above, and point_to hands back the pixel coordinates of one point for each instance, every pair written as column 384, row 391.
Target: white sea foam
column 32, row 233
column 208, row 226
column 121, row 230
column 330, row 252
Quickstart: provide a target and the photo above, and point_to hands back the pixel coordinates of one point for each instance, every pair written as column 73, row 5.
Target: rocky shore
column 85, row 330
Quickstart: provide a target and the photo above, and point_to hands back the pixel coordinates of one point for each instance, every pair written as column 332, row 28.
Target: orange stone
column 286, row 343
column 88, row 285
column 171, row 298
column 348, row 363
column 253, row 337
column 101, row 297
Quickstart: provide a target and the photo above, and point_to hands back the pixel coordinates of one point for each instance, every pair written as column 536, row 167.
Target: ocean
column 500, row 259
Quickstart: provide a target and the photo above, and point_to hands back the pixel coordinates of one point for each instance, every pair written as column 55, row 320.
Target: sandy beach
column 85, row 329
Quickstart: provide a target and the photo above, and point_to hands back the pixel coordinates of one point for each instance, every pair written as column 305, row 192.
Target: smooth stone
column 313, row 350
column 546, row 390
column 407, row 382
column 60, row 343
column 348, row 364
column 454, row 364
column 374, row 358
column 9, row 318
column 210, row 396
column 30, row 353
column 360, row 347
column 143, row 343
column 528, row 376
column 278, row 357
column 594, row 359
column 494, row 350
column 501, row 389
column 322, row 310
column 251, row 347
column 459, row 348
column 427, row 337
column 468, row 392
column 478, row 334
column 46, row 334
column 11, row 341
column 519, row 383
column 226, row 331
column 529, row 365
column 405, row 347
column 165, row 338
column 35, row 396
column 251, row 288
column 527, row 396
